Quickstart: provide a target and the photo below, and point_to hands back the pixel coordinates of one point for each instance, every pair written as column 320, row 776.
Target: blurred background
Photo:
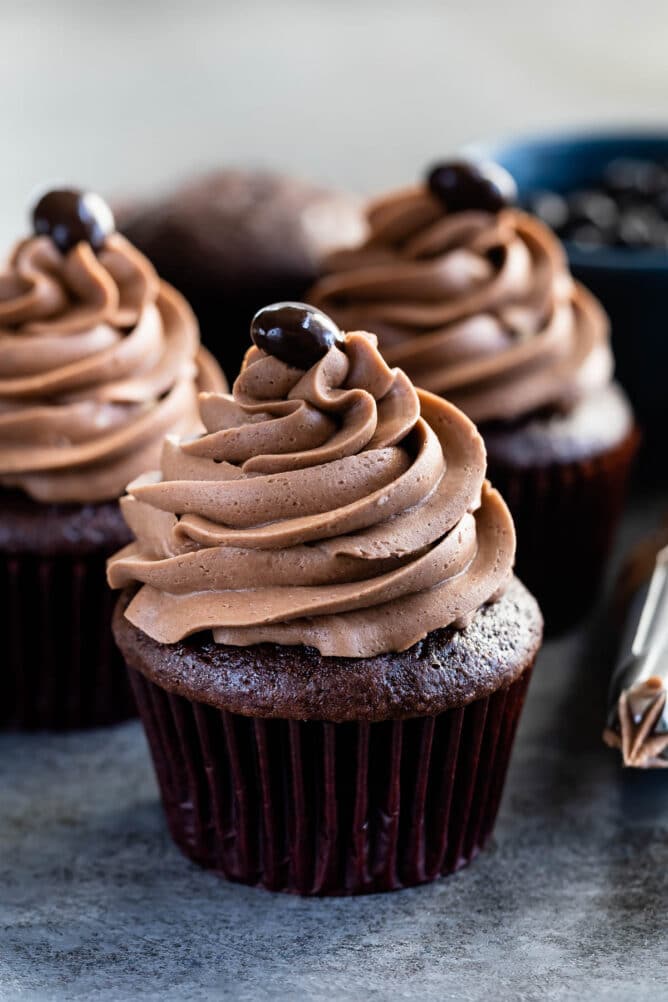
column 127, row 96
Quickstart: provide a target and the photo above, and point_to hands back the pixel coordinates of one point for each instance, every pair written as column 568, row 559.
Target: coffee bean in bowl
column 625, row 205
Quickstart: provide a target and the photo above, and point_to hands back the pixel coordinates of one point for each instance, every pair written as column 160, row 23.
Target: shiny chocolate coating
column 295, row 333
column 464, row 186
column 69, row 217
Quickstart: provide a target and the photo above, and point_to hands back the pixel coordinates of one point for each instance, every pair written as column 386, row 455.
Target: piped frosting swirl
column 477, row 306
column 99, row 360
column 334, row 507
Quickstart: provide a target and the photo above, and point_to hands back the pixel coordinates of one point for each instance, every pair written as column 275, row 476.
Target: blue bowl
column 631, row 284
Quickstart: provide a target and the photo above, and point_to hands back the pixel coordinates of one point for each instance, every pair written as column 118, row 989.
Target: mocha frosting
column 335, row 508
column 99, row 360
column 477, row 306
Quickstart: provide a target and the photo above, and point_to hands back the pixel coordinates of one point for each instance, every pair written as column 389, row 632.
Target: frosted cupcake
column 474, row 299
column 327, row 643
column 99, row 360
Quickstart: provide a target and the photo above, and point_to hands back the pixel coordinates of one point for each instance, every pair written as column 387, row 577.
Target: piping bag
column 637, row 721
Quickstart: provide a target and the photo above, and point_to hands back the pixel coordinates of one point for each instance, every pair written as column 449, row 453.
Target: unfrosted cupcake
column 233, row 240
column 474, row 299
column 327, row 643
column 99, row 360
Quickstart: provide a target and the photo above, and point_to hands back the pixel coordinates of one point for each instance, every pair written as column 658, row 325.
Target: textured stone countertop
column 569, row 902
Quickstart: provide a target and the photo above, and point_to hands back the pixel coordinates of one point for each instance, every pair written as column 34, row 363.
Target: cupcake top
column 99, row 359
column 242, row 229
column 233, row 240
column 472, row 297
column 329, row 504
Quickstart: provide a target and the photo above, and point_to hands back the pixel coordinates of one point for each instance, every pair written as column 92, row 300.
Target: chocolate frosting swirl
column 336, row 508
column 98, row 361
column 477, row 306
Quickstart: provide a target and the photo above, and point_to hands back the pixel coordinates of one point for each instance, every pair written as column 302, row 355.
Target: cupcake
column 320, row 620
column 99, row 360
column 474, row 300
column 234, row 240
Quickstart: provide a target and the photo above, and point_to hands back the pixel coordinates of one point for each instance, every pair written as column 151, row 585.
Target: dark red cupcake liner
column 316, row 808
column 565, row 515
column 61, row 668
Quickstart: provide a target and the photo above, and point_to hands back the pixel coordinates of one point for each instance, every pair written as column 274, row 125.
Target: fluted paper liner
column 316, row 808
column 61, row 668
column 565, row 516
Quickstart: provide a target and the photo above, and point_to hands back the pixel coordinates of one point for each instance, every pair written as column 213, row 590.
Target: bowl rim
column 598, row 258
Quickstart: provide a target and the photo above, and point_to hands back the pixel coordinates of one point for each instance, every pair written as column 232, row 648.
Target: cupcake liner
column 61, row 668
column 316, row 808
column 565, row 515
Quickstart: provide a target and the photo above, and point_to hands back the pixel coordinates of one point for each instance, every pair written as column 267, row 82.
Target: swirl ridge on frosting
column 334, row 507
column 99, row 360
column 477, row 306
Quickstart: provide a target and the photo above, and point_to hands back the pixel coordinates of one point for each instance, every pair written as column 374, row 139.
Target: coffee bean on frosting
column 295, row 333
column 496, row 256
column 69, row 217
column 463, row 185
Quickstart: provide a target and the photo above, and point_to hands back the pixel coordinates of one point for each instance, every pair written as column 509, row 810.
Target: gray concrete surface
column 569, row 903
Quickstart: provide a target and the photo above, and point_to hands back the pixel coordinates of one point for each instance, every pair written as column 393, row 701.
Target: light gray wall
column 126, row 95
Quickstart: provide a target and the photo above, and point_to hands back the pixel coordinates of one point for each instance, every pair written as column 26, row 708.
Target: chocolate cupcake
column 474, row 299
column 319, row 616
column 99, row 360
column 234, row 240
